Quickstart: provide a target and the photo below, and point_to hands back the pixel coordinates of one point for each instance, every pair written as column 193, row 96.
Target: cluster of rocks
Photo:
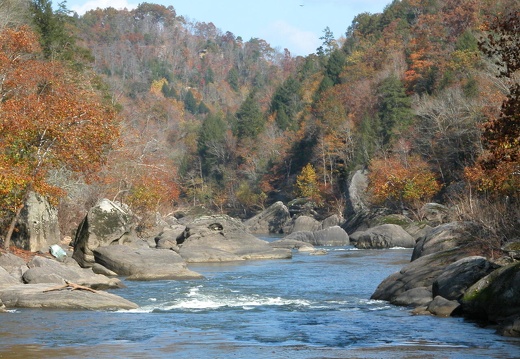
column 106, row 246
column 449, row 275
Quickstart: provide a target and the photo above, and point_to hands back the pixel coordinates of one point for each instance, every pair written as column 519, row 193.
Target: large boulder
column 331, row 236
column 45, row 270
column 456, row 278
column 496, row 297
column 271, row 220
column 6, row 279
column 37, row 227
column 383, row 236
column 435, row 213
column 358, row 208
column 14, row 265
column 445, row 236
column 105, row 223
column 144, row 263
column 51, row 296
column 302, row 224
column 220, row 238
column 419, row 273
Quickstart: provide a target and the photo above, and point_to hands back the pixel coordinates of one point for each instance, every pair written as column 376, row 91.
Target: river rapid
column 310, row 306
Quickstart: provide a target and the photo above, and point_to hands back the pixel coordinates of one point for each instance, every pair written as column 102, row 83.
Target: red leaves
column 48, row 119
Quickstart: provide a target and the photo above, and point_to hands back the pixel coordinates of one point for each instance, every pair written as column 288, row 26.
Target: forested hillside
column 424, row 95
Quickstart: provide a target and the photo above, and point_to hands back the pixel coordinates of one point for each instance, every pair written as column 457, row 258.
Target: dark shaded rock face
column 495, row 297
column 443, row 237
column 105, row 223
column 419, row 273
column 271, row 220
column 456, row 278
column 38, row 226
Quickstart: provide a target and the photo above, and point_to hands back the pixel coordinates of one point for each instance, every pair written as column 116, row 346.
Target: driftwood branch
column 71, row 286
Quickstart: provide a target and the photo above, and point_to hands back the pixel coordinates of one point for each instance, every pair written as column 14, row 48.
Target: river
column 310, row 306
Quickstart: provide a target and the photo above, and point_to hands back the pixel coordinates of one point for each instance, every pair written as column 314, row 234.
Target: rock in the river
column 302, row 224
column 456, row 278
column 270, row 220
column 45, row 270
column 419, row 273
column 383, row 236
column 331, row 236
column 442, row 307
column 414, row 297
column 144, row 263
column 105, row 223
column 220, row 238
column 496, row 297
column 443, row 237
column 39, row 296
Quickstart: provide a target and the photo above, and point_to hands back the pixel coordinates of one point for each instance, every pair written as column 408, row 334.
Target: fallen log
column 71, row 286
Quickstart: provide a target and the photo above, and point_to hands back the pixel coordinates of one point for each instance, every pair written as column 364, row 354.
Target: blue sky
column 293, row 24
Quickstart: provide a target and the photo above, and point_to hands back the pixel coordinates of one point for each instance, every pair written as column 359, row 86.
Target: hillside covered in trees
column 162, row 113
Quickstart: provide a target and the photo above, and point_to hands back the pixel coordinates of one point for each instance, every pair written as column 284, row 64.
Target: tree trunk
column 7, row 240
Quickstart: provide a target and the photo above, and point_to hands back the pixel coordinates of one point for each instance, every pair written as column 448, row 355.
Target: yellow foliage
column 157, row 85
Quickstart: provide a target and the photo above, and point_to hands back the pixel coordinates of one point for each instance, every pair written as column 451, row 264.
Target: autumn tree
column 401, row 182
column 498, row 167
column 307, row 184
column 50, row 118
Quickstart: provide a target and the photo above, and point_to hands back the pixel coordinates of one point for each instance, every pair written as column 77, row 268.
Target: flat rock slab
column 144, row 263
column 37, row 296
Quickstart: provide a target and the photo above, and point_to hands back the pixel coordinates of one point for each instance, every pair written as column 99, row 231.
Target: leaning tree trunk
column 7, row 240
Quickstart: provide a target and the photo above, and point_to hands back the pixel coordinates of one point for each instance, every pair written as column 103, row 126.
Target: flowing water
column 305, row 307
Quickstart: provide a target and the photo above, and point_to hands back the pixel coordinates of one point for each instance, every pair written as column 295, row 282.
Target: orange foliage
column 49, row 119
column 401, row 183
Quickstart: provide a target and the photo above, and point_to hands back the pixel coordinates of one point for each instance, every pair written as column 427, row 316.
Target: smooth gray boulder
column 169, row 237
column 332, row 221
column 45, row 270
column 6, row 279
column 442, row 307
column 38, row 226
column 144, row 263
column 383, row 236
column 414, row 297
column 445, row 236
column 50, row 296
column 105, row 223
column 456, row 278
column 270, row 220
column 332, row 236
column 302, row 224
column 220, row 238
column 14, row 265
